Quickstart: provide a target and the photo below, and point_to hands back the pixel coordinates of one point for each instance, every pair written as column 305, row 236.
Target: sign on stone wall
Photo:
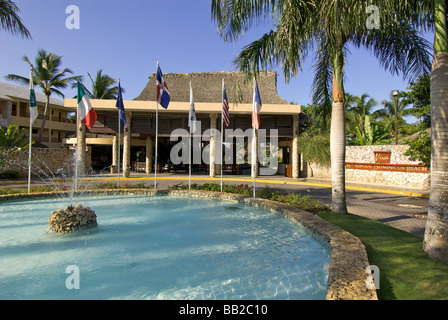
column 387, row 167
column 382, row 156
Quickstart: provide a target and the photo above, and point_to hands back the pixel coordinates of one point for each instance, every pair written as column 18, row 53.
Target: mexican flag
column 86, row 113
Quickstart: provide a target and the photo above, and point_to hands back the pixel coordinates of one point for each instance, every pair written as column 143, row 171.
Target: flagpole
column 31, row 138
column 189, row 149
column 119, row 147
column 157, row 142
column 253, row 139
column 29, row 156
column 189, row 161
column 222, row 126
column 157, row 137
column 77, row 146
column 253, row 157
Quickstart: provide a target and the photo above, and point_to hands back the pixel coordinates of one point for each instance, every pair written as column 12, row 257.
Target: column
column 149, row 154
column 295, row 147
column 127, row 147
column 115, row 149
column 213, row 121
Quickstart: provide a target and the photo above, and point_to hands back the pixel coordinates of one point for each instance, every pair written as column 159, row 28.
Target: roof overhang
column 184, row 107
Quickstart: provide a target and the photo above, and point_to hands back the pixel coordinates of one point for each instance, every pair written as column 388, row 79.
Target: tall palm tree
column 435, row 242
column 327, row 28
column 46, row 74
column 10, row 20
column 103, row 87
column 388, row 117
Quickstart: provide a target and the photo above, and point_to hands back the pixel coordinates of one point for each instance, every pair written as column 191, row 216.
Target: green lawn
column 406, row 273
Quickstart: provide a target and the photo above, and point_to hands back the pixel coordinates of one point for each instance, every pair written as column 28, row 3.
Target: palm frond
column 11, row 21
column 236, row 17
column 400, row 49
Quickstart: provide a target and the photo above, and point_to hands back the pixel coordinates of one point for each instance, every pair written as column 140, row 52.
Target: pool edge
column 347, row 278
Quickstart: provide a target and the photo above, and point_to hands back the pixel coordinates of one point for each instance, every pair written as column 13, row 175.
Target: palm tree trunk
column 435, row 242
column 47, row 103
column 337, row 142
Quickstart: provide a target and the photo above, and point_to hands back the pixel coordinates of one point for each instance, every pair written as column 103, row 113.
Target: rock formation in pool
column 72, row 219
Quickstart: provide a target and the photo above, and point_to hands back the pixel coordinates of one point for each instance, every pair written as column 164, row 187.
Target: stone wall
column 365, row 154
column 46, row 162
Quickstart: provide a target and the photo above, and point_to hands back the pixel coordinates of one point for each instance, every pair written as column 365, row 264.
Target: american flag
column 256, row 107
column 163, row 95
column 225, row 106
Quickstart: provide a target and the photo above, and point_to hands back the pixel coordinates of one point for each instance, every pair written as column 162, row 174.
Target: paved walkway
column 402, row 208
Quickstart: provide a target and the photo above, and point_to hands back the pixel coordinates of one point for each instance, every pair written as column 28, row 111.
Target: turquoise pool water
column 159, row 248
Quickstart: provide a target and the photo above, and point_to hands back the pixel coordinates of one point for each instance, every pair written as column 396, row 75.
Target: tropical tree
column 46, row 74
column 12, row 141
column 10, row 19
column 373, row 134
column 435, row 242
column 387, row 116
column 326, row 28
column 356, row 112
column 103, row 87
column 419, row 97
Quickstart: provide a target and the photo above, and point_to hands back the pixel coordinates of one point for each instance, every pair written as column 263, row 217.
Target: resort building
column 138, row 138
column 14, row 109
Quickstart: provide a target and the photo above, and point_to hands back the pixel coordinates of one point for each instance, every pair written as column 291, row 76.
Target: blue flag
column 120, row 105
column 163, row 95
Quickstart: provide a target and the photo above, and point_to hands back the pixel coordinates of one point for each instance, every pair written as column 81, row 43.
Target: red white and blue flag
column 163, row 95
column 225, row 106
column 256, row 107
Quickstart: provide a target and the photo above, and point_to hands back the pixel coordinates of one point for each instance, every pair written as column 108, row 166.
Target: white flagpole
column 189, row 161
column 119, row 149
column 29, row 146
column 253, row 157
column 189, row 147
column 157, row 137
column 222, row 127
column 29, row 156
column 77, row 146
column 253, row 139
column 157, row 142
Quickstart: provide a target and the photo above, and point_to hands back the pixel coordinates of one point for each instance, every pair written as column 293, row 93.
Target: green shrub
column 9, row 174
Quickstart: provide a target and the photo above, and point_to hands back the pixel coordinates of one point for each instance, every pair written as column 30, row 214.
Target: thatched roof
column 207, row 87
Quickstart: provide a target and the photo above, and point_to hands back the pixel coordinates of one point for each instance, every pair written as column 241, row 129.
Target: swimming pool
column 159, row 247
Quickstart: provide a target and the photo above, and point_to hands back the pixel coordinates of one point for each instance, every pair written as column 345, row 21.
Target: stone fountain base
column 72, row 219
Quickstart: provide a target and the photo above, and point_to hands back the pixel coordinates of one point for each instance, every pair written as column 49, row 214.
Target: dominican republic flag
column 85, row 111
column 163, row 95
column 34, row 112
column 256, row 107
column 120, row 105
column 192, row 113
column 225, row 106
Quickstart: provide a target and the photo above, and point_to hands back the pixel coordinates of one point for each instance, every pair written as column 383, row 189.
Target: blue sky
column 127, row 38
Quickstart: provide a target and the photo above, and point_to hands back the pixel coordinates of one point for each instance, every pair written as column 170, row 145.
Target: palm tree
column 327, row 27
column 103, row 87
column 47, row 75
column 387, row 116
column 435, row 242
column 356, row 113
column 10, row 20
